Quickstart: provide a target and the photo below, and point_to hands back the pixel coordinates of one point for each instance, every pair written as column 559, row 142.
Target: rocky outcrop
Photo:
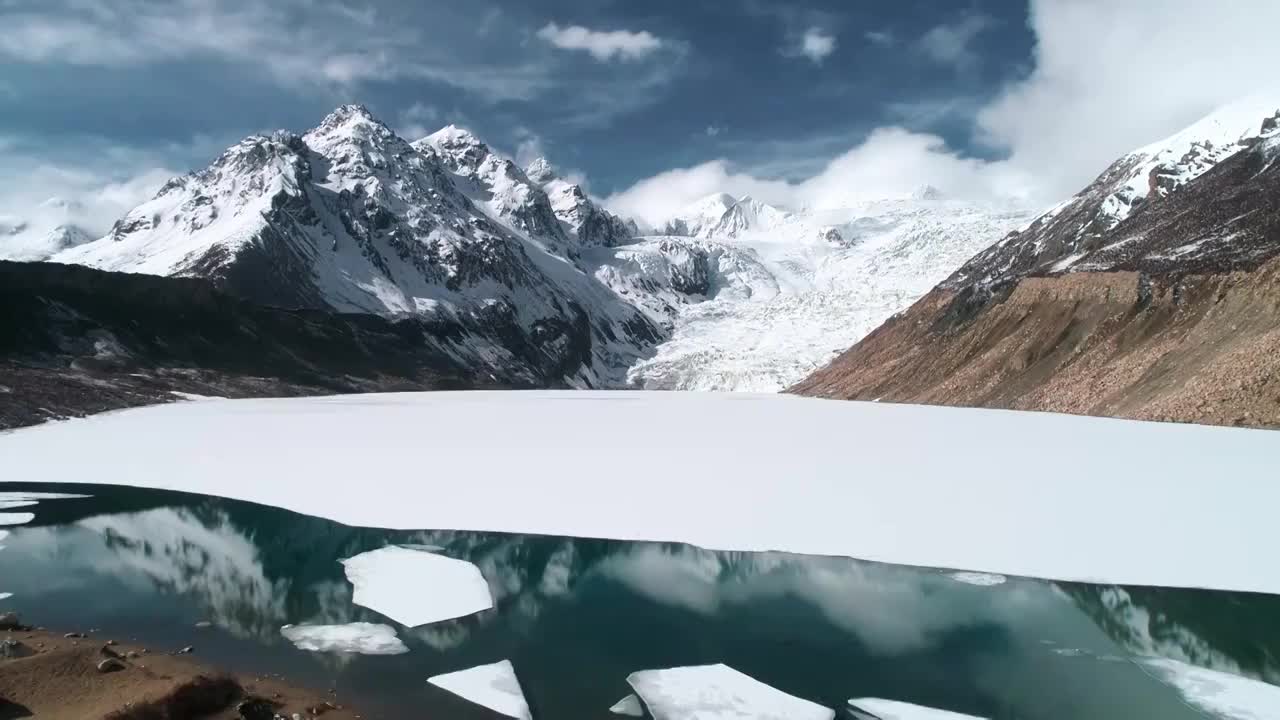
column 1171, row 312
column 1201, row 348
column 74, row 341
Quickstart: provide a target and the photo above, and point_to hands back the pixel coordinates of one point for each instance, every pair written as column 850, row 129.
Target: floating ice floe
column 979, row 579
column 493, row 686
column 718, row 692
column 8, row 518
column 416, row 588
column 5, row 596
column 359, row 637
column 629, row 705
column 1220, row 694
column 740, row 472
column 894, row 710
column 11, row 504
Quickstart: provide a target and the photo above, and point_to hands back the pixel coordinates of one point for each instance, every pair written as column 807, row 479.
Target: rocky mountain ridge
column 350, row 217
column 1160, row 305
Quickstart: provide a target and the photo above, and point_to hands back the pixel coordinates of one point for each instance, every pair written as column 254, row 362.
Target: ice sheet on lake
column 979, row 579
column 493, row 686
column 357, row 637
column 22, row 518
column 894, row 710
column 24, row 495
column 1221, row 694
column 723, row 471
column 416, row 588
column 629, row 705
column 716, row 692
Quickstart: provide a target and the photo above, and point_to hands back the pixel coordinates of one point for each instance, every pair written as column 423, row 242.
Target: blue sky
column 104, row 96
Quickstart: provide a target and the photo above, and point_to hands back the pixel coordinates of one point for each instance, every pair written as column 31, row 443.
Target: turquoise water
column 575, row 617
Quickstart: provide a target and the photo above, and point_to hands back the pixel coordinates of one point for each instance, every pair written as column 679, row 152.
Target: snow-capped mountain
column 1150, row 295
column 1058, row 240
column 547, row 285
column 351, row 217
column 721, row 216
column 52, row 228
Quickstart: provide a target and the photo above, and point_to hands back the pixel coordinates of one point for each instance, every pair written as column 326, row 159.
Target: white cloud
column 602, row 45
column 1107, row 78
column 302, row 44
column 951, row 44
column 1112, row 76
column 883, row 38
column 417, row 121
column 529, row 146
column 656, row 199
column 891, row 162
column 816, row 44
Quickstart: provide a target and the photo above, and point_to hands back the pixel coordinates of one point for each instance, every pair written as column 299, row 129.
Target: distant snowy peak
column 53, row 226
column 722, row 216
column 1074, row 229
column 746, row 214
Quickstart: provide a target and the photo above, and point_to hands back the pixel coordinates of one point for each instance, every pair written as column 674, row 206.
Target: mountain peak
column 452, row 136
column 349, row 122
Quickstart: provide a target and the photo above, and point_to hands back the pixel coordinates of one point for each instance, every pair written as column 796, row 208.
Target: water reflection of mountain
column 1233, row 632
column 821, row 628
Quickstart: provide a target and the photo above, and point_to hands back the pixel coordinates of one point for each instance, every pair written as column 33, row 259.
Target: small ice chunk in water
column 894, row 710
column 8, row 518
column 718, row 692
column 629, row 705
column 358, row 637
column 5, row 596
column 416, row 588
column 493, row 686
column 1218, row 693
column 978, row 578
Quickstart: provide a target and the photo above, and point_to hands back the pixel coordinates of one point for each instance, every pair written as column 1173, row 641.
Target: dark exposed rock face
column 75, row 341
column 1173, row 313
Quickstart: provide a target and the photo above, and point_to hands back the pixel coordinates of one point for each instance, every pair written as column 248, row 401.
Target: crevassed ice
column 358, row 637
column 414, row 587
column 493, row 686
column 718, row 692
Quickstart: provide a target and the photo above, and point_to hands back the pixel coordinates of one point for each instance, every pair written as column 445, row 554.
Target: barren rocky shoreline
column 79, row 676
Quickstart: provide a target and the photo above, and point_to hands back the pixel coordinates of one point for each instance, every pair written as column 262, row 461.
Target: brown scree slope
column 1173, row 314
